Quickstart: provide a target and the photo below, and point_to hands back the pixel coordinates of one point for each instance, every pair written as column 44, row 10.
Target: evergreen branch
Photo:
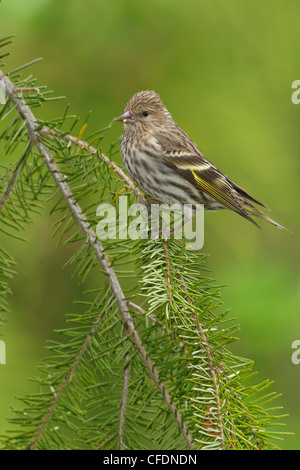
column 84, row 145
column 63, row 385
column 65, row 190
column 160, row 385
column 213, row 369
column 28, row 117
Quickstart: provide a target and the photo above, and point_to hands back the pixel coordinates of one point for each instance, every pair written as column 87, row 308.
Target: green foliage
column 213, row 383
column 167, row 382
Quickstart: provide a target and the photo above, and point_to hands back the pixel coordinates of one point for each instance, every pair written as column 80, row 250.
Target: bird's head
column 145, row 111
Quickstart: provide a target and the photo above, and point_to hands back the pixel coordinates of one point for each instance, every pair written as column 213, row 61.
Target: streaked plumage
column 168, row 166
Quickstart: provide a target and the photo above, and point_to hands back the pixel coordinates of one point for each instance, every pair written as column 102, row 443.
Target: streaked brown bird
column 168, row 166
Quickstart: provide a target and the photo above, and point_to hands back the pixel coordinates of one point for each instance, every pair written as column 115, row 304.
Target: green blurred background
column 224, row 70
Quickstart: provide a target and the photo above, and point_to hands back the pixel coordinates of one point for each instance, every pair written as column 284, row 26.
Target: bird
column 169, row 167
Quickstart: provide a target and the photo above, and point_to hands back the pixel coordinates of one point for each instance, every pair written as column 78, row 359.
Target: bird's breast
column 145, row 166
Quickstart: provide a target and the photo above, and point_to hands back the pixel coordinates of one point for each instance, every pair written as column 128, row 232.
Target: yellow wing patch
column 215, row 191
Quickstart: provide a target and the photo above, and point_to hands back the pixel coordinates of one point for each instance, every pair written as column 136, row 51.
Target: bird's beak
column 126, row 117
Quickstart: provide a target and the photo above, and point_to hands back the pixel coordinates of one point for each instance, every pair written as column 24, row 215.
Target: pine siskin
column 168, row 166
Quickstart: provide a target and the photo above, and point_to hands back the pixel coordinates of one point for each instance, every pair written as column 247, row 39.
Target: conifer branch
column 32, row 445
column 213, row 369
column 92, row 150
column 160, row 385
column 27, row 115
column 65, row 190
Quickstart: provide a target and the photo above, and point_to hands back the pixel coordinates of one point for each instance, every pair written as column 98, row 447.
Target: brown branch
column 27, row 89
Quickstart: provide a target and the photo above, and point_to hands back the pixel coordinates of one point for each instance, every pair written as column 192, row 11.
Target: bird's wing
column 184, row 157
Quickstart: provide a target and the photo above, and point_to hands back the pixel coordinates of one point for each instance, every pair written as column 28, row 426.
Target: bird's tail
column 251, row 210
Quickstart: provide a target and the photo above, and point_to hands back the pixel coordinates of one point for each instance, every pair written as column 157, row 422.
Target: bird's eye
column 145, row 113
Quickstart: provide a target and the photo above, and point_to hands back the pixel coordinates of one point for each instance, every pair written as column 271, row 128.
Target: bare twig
column 27, row 89
column 135, row 307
